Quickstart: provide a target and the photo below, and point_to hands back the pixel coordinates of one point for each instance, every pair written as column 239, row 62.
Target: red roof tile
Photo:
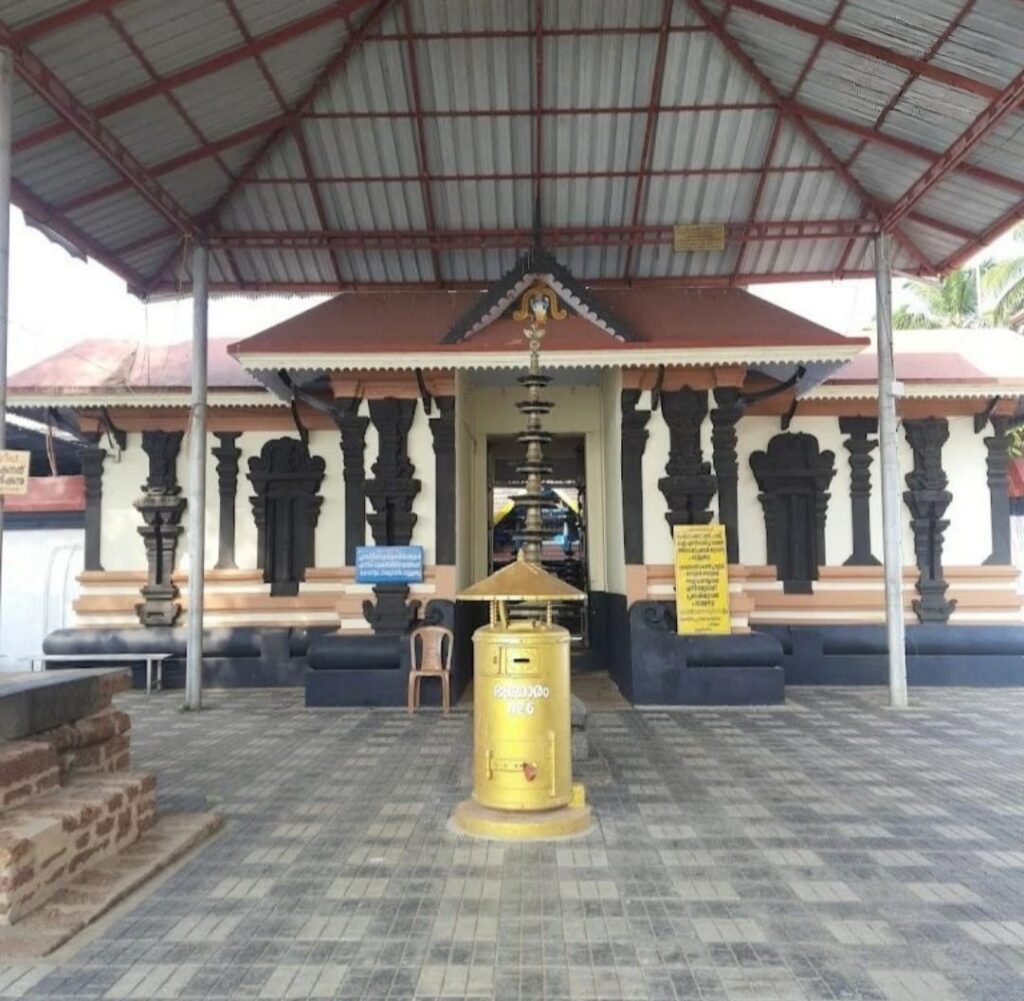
column 913, row 367
column 406, row 322
column 122, row 364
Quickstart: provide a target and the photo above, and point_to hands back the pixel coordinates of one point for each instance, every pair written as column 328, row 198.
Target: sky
column 58, row 300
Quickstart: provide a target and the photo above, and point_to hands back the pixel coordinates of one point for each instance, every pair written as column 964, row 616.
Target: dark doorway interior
column 565, row 551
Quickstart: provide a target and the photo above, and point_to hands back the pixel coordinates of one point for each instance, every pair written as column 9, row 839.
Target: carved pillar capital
column 353, row 451
column 161, row 508
column 634, row 435
column 92, row 456
column 997, row 465
column 442, row 429
column 227, row 454
column 689, row 485
column 724, row 418
column 860, row 447
column 927, row 499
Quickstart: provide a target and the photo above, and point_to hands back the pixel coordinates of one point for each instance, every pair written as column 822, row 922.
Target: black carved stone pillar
column 227, row 455
column 392, row 492
column 161, row 507
column 353, row 447
column 689, row 485
column 724, row 417
column 442, row 428
column 634, row 442
column 92, row 457
column 927, row 499
column 860, row 447
column 997, row 462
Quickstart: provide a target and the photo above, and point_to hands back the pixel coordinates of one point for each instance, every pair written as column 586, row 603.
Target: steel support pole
column 197, row 481
column 6, row 102
column 892, row 526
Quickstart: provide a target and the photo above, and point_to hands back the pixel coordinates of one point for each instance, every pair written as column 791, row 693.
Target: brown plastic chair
column 434, row 661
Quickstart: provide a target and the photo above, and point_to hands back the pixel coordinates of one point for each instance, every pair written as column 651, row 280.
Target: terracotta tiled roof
column 112, row 365
column 406, row 322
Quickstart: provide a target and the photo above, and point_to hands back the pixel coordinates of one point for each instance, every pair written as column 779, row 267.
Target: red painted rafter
column 538, row 106
column 1006, row 104
column 176, row 163
column 167, row 288
column 913, row 76
column 813, row 229
column 175, row 103
column 983, row 174
column 64, row 18
column 300, row 138
column 293, row 119
column 647, row 147
column 49, row 87
column 865, row 48
column 787, row 109
column 45, row 214
column 299, row 108
column 1004, row 223
column 773, row 141
column 206, row 67
column 426, row 193
column 933, row 49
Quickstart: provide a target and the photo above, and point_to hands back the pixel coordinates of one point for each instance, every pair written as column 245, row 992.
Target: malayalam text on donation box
column 702, row 580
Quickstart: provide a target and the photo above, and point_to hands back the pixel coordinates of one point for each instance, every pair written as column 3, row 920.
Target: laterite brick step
column 51, row 839
column 28, row 769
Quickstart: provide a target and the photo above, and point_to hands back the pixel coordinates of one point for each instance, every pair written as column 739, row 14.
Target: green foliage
column 1003, row 285
column 951, row 302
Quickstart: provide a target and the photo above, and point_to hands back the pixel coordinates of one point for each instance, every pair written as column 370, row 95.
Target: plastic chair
column 434, row 661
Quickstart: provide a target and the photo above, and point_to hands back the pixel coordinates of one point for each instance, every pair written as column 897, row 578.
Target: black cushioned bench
column 668, row 669
column 937, row 654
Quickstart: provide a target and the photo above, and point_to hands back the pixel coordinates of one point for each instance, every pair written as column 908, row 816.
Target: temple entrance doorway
column 565, row 520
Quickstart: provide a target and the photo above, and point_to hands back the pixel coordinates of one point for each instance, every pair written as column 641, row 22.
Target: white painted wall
column 40, row 571
column 968, row 540
column 465, row 448
column 421, row 454
column 121, row 545
column 615, row 553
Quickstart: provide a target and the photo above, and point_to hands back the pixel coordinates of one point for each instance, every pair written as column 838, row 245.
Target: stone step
column 104, row 885
column 45, row 843
column 28, row 769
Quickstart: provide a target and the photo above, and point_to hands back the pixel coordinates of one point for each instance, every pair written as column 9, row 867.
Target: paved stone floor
column 831, row 849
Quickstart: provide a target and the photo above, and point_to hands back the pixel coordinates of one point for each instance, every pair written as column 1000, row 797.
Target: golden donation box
column 522, row 738
column 521, row 728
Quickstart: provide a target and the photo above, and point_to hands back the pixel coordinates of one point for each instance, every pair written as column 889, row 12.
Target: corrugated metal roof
column 437, row 177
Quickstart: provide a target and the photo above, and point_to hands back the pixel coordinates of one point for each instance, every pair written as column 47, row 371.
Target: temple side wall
column 329, row 594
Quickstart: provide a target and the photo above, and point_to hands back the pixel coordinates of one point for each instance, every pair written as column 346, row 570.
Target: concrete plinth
column 511, row 825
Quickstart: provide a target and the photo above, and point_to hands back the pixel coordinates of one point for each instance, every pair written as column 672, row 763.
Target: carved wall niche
column 793, row 476
column 286, row 507
column 161, row 507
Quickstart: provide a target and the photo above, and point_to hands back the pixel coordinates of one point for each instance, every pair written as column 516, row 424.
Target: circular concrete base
column 509, row 825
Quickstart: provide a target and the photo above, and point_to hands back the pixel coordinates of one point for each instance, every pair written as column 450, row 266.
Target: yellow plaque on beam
column 702, row 580
column 691, row 237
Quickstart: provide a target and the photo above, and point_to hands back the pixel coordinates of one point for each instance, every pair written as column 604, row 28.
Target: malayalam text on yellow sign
column 702, row 580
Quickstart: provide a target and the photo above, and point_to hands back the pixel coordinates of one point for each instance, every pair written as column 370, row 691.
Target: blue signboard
column 389, row 564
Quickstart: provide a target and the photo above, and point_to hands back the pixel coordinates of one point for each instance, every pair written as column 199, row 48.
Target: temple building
column 389, row 418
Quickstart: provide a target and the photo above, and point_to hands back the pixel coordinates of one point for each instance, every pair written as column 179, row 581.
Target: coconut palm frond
column 904, row 318
column 1003, row 285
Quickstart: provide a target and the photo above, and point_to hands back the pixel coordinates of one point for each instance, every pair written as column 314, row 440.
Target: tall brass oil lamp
column 522, row 748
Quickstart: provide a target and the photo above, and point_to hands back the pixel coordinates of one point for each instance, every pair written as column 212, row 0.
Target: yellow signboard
column 698, row 237
column 702, row 580
column 14, row 472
